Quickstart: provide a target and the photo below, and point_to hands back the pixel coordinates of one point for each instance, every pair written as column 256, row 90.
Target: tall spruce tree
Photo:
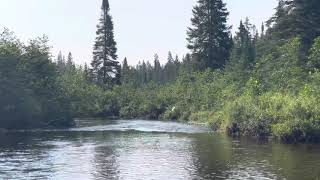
column 296, row 18
column 61, row 62
column 262, row 30
column 186, row 65
column 314, row 56
column 86, row 72
column 177, row 65
column 243, row 53
column 141, row 73
column 105, row 66
column 149, row 71
column 209, row 37
column 169, row 69
column 70, row 64
column 157, row 69
column 125, row 72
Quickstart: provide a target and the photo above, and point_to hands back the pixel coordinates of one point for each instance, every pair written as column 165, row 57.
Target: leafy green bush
column 30, row 94
column 214, row 120
column 303, row 125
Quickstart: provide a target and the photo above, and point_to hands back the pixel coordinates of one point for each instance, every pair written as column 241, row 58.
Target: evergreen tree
column 141, row 73
column 209, row 38
column 186, row 65
column 281, row 70
column 243, row 53
column 105, row 66
column 144, row 72
column 149, row 71
column 157, row 69
column 60, row 62
column 86, row 71
column 177, row 65
column 125, row 72
column 170, row 57
column 314, row 57
column 117, row 79
column 244, row 42
column 169, row 69
column 70, row 66
column 306, row 20
column 262, row 30
column 296, row 18
column 176, row 60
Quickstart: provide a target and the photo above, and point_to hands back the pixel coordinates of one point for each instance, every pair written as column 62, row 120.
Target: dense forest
column 260, row 83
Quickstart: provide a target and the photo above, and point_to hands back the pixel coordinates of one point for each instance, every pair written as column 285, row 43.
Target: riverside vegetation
column 264, row 83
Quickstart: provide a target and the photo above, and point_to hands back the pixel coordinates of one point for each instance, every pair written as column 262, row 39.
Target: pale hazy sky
column 142, row 27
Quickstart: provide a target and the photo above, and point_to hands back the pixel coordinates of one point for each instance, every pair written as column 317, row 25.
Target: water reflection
column 105, row 157
column 143, row 155
column 19, row 156
column 151, row 154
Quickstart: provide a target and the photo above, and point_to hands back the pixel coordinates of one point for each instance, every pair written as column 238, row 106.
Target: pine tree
column 86, row 72
column 176, row 60
column 144, row 72
column 149, row 71
column 186, row 65
column 125, row 72
column 314, row 57
column 141, row 73
column 243, row 53
column 117, row 78
column 210, row 37
column 280, row 21
column 306, row 15
column 61, row 62
column 296, row 18
column 262, row 30
column 177, row 65
column 169, row 69
column 170, row 57
column 157, row 69
column 105, row 66
column 70, row 64
column 281, row 70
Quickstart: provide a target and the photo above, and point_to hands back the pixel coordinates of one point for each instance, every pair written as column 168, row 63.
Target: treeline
column 145, row 72
column 258, row 83
column 30, row 93
column 38, row 91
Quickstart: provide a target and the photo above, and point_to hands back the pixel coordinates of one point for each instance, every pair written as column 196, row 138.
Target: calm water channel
column 139, row 149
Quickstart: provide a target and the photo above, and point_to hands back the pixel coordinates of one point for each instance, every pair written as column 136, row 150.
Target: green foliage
column 209, row 37
column 105, row 67
column 314, row 57
column 85, row 97
column 279, row 97
column 291, row 118
column 213, row 119
column 296, row 18
column 30, row 93
column 304, row 121
column 281, row 70
column 243, row 54
column 144, row 73
column 270, row 85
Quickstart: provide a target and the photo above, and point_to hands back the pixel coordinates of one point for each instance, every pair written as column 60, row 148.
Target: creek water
column 137, row 149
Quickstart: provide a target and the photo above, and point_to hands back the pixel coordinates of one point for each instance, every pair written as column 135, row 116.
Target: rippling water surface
column 137, row 149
